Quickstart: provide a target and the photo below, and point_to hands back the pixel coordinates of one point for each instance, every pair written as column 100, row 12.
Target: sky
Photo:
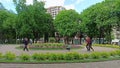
column 78, row 5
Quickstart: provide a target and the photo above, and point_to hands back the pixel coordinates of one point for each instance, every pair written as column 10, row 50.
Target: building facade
column 55, row 10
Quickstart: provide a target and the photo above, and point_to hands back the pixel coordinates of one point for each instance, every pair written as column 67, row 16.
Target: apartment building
column 55, row 10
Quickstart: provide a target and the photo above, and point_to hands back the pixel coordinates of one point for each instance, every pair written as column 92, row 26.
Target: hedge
column 69, row 56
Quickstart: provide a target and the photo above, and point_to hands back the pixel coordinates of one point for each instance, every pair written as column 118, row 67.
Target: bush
column 95, row 55
column 48, row 45
column 86, row 56
column 53, row 56
column 69, row 56
column 61, row 56
column 1, row 56
column 81, row 56
column 118, row 52
column 105, row 54
column 38, row 56
column 76, row 55
column 10, row 56
column 52, row 39
column 25, row 57
column 113, row 53
column 35, row 56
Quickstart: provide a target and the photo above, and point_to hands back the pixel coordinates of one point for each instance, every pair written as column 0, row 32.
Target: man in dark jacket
column 25, row 41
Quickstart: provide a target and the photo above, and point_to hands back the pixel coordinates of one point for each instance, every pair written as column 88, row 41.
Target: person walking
column 25, row 41
column 89, row 43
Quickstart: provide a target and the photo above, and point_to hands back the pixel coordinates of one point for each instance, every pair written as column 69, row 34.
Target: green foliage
column 69, row 56
column 53, row 56
column 38, row 56
column 86, row 56
column 105, row 54
column 61, row 56
column 107, row 45
column 7, row 20
column 113, row 53
column 99, row 22
column 66, row 20
column 118, row 52
column 24, row 57
column 76, row 55
column 1, row 56
column 52, row 40
column 81, row 56
column 32, row 20
column 10, row 56
column 95, row 55
column 48, row 45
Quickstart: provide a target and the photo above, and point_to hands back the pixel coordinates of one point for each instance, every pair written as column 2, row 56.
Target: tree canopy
column 99, row 19
column 67, row 22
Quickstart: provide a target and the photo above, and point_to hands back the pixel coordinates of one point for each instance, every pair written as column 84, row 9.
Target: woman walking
column 89, row 43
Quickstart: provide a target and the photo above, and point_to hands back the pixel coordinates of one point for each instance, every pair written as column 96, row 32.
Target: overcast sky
column 78, row 5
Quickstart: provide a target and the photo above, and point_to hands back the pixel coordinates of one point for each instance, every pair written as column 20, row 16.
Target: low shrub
column 53, row 56
column 10, row 56
column 86, row 56
column 25, row 57
column 95, row 55
column 113, row 53
column 76, row 55
column 1, row 56
column 105, row 54
column 38, row 56
column 48, row 45
column 69, row 56
column 118, row 52
column 61, row 56
column 81, row 56
column 106, row 45
column 52, row 39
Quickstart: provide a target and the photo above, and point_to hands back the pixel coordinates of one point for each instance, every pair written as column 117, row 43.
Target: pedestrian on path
column 89, row 43
column 25, row 41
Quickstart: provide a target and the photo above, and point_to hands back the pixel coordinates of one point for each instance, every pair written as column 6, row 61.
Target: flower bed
column 50, row 46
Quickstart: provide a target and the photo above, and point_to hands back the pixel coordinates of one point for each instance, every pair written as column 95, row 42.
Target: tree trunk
column 46, row 38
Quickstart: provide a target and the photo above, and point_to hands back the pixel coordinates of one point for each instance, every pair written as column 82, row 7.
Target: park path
column 12, row 48
column 106, row 64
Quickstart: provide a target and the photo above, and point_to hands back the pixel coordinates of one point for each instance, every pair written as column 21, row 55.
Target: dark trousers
column 89, row 46
column 25, row 47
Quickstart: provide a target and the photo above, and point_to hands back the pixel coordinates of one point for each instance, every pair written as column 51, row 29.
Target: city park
column 50, row 37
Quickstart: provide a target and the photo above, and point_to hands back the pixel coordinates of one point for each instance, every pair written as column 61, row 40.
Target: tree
column 33, row 21
column 67, row 23
column 7, row 21
column 99, row 19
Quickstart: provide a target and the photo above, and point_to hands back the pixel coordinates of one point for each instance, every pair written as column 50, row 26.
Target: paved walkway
column 106, row 64
column 12, row 48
